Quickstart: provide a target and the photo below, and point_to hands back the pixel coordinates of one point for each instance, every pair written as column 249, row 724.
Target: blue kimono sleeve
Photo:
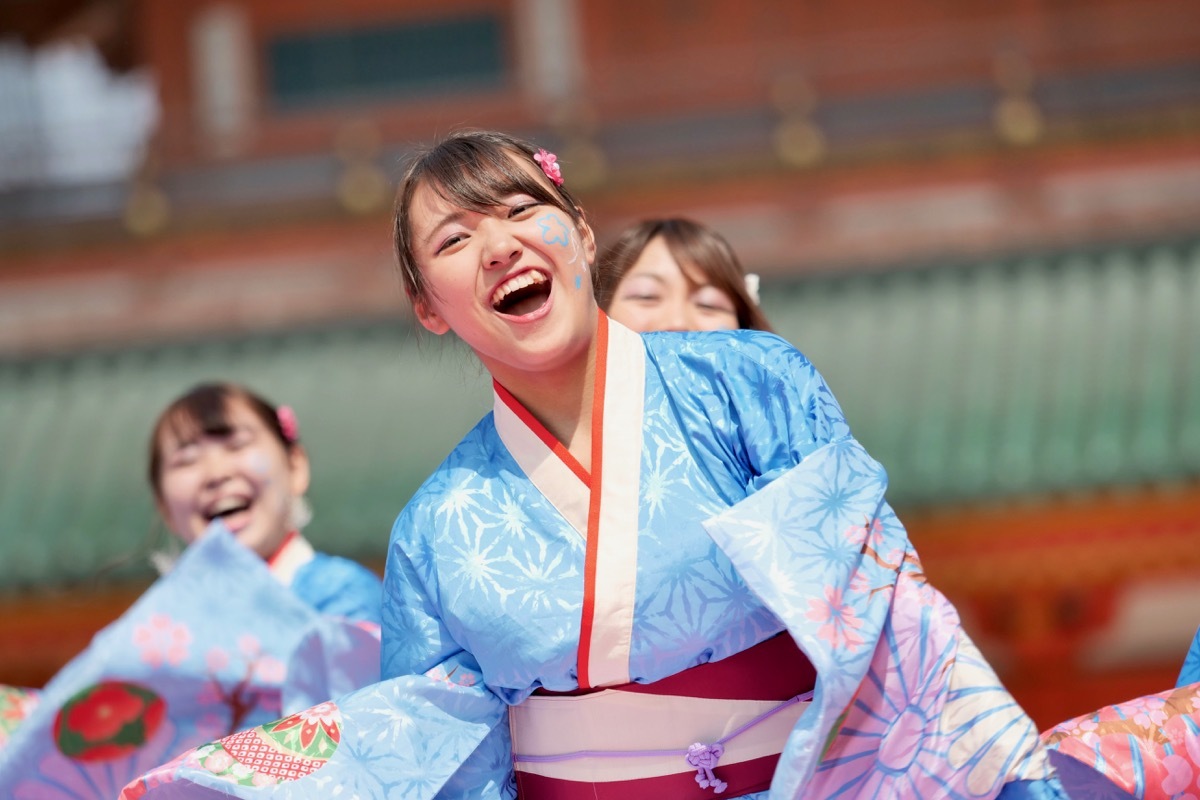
column 780, row 407
column 411, row 736
column 340, row 587
column 416, row 642
column 429, row 730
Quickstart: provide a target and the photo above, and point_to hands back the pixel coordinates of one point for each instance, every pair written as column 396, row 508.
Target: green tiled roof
column 378, row 410
column 1024, row 376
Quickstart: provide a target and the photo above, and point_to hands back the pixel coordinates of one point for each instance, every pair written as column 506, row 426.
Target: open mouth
column 229, row 510
column 522, row 294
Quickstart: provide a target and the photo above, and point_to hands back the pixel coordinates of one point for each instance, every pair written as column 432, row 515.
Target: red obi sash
column 715, row 730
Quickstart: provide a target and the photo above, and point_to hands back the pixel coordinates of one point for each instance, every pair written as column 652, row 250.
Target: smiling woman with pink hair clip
column 223, row 453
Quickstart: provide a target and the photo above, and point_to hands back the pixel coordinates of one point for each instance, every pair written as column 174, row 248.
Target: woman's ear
column 428, row 317
column 588, row 238
column 299, row 469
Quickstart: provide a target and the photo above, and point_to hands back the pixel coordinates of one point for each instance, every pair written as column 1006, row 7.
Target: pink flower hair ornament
column 549, row 164
column 288, row 423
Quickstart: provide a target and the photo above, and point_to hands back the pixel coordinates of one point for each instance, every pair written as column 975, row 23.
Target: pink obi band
column 713, row 730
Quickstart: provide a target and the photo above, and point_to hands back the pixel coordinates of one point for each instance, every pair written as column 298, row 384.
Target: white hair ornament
column 752, row 287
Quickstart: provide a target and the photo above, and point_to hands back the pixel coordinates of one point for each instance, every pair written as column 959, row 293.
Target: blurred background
column 981, row 220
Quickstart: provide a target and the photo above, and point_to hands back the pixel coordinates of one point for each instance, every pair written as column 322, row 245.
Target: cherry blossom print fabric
column 1149, row 746
column 203, row 653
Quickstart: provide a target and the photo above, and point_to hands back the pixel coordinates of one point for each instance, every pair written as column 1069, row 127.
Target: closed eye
column 239, row 438
column 712, row 300
column 521, row 208
column 449, row 242
column 182, row 457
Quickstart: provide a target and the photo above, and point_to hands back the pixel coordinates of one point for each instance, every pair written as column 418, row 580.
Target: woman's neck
column 562, row 401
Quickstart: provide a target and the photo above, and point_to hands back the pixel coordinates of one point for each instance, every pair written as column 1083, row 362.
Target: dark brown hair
column 204, row 409
column 690, row 244
column 475, row 170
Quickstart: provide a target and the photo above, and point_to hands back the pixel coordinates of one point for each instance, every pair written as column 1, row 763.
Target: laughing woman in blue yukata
column 660, row 567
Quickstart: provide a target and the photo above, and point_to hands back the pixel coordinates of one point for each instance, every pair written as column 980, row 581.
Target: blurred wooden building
column 980, row 220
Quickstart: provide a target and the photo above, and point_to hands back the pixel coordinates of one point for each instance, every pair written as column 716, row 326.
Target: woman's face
column 245, row 478
column 512, row 281
column 658, row 294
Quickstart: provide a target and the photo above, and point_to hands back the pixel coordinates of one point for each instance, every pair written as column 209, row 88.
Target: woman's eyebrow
column 177, row 445
column 454, row 216
column 646, row 274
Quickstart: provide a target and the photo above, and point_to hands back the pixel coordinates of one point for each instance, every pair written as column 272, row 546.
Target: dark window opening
column 400, row 60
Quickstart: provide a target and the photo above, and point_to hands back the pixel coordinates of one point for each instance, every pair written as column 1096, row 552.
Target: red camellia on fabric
column 107, row 720
column 101, row 714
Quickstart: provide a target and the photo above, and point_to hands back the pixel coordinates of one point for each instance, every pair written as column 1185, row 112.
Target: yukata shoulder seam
column 765, row 351
column 416, row 509
column 761, row 347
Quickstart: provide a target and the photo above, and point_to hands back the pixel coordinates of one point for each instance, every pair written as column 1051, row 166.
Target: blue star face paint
column 554, row 230
column 260, row 465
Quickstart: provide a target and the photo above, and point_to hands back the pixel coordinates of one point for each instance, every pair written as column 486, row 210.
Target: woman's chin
column 264, row 542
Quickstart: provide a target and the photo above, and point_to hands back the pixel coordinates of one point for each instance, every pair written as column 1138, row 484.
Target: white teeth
column 227, row 504
column 513, row 284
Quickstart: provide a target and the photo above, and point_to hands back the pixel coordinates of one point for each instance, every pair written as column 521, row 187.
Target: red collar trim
column 287, row 540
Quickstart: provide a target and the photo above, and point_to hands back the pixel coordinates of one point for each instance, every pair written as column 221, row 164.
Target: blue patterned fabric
column 758, row 513
column 1191, row 664
column 1084, row 783
column 204, row 651
column 339, row 587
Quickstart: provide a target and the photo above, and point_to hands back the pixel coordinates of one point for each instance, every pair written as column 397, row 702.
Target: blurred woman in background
column 678, row 275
